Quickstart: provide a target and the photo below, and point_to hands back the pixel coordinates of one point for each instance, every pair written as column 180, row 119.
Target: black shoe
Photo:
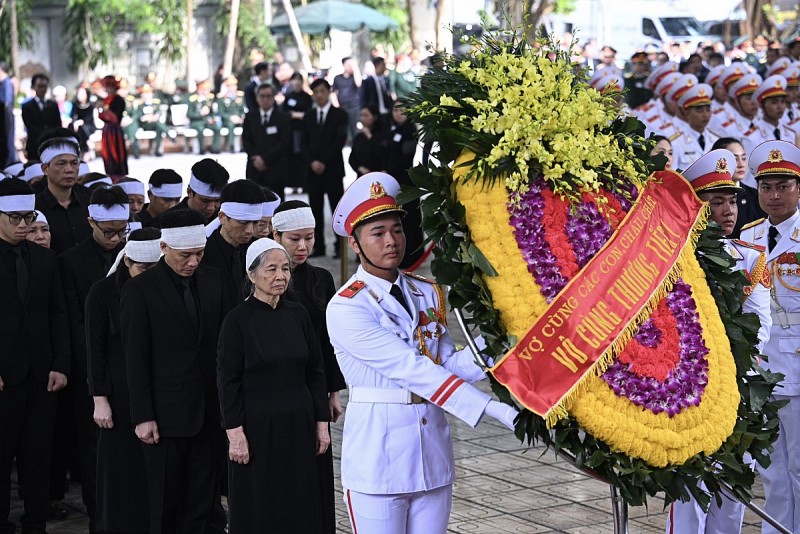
column 158, row 154
column 58, row 511
column 317, row 253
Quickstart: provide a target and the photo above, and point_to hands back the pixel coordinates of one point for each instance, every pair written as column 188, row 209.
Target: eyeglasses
column 109, row 234
column 16, row 218
column 264, row 226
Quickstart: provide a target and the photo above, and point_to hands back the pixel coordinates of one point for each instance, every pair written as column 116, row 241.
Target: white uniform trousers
column 421, row 512
column 782, row 477
column 689, row 518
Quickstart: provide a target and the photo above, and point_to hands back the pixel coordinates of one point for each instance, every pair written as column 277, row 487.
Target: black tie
column 22, row 272
column 397, row 293
column 264, row 119
column 188, row 301
column 772, row 240
column 791, row 115
column 702, row 141
column 321, row 117
column 752, row 125
column 777, row 133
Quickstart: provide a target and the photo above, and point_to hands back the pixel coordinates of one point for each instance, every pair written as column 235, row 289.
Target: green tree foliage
column 397, row 10
column 25, row 27
column 250, row 31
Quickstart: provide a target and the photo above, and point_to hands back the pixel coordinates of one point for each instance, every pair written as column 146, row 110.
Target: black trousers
column 318, row 187
column 27, row 416
column 86, row 433
column 183, row 477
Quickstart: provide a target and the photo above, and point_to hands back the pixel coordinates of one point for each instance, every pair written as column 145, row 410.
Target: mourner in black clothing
column 81, row 267
column 368, row 153
column 170, row 318
column 324, row 135
column 271, row 385
column 64, row 203
column 39, row 114
column 229, row 234
column 267, row 137
column 164, row 191
column 313, row 287
column 35, row 360
column 202, row 194
column 121, row 482
column 296, row 103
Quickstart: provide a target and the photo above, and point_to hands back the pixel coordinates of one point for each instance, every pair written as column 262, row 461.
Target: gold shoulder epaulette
column 239, row 93
column 420, row 278
column 675, row 136
column 745, row 244
column 193, row 98
column 754, row 223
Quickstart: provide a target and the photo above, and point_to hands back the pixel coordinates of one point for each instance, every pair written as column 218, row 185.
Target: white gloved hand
column 502, row 412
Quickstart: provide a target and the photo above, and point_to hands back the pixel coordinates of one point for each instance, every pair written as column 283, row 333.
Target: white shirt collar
column 324, row 109
column 785, row 228
column 384, row 285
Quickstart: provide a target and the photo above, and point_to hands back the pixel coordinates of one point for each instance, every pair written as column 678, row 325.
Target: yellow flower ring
column 656, row 438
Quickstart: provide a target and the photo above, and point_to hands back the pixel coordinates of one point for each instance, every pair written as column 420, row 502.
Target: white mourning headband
column 268, row 208
column 83, row 168
column 48, row 154
column 294, row 219
column 31, row 172
column 102, row 180
column 185, row 237
column 117, row 212
column 15, row 168
column 132, row 188
column 40, row 218
column 167, row 190
column 260, row 246
column 24, row 203
column 235, row 210
column 202, row 188
column 138, row 251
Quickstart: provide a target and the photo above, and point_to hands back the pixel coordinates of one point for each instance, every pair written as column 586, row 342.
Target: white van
column 630, row 25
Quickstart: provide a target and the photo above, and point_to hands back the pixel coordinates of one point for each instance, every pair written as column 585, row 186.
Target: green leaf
column 480, row 261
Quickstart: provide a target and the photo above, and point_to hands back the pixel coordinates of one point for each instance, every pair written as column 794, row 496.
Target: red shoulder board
column 352, row 289
column 728, row 123
column 753, row 246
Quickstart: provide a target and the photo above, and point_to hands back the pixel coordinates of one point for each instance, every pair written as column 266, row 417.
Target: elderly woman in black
column 274, row 406
column 293, row 227
column 121, row 484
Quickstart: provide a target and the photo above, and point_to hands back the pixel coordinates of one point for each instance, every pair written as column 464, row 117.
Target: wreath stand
column 619, row 507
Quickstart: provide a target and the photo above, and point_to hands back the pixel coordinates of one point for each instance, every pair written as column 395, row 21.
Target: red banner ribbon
column 603, row 304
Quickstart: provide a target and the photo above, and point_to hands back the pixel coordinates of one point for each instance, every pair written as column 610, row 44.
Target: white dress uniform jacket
column 768, row 130
column 389, row 447
column 752, row 261
column 687, row 149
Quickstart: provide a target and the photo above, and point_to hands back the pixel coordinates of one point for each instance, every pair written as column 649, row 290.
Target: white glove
column 502, row 412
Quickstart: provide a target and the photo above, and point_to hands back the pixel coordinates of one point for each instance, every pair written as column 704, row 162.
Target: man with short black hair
column 202, row 194
column 375, row 91
column 229, row 234
column 170, row 317
column 164, row 191
column 261, row 76
column 81, row 267
column 63, row 202
column 34, row 362
column 267, row 139
column 325, row 133
column 39, row 114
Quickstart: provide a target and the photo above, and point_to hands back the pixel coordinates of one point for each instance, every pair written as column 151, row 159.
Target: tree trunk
column 189, row 19
column 412, row 33
column 298, row 37
column 12, row 15
column 438, row 24
column 227, row 64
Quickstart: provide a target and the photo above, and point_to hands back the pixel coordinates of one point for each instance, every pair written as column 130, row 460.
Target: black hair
column 716, row 56
column 659, row 138
column 269, row 194
column 244, row 191
column 4, row 67
column 109, row 196
column 266, row 85
column 165, row 176
column 378, row 60
column 14, row 186
column 725, row 142
column 58, row 136
column 260, row 67
column 312, row 277
column 211, row 172
column 345, row 59
column 36, row 77
column 320, row 82
column 181, row 218
column 123, row 274
column 127, row 179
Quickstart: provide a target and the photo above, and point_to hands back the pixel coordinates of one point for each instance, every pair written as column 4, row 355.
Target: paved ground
column 501, row 488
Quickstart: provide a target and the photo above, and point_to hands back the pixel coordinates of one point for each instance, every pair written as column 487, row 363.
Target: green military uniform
column 228, row 107
column 147, row 116
column 130, row 110
column 201, row 116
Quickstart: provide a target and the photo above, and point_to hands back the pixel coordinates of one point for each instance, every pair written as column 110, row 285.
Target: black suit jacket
column 34, row 331
column 325, row 144
column 368, row 94
column 172, row 366
column 272, row 142
column 81, row 266
column 37, row 121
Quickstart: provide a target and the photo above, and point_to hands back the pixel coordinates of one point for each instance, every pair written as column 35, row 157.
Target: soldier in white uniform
column 711, row 179
column 665, row 122
column 694, row 103
column 744, row 125
column 771, row 98
column 735, row 72
column 389, row 332
column 776, row 167
column 792, row 116
column 720, row 113
column 647, row 112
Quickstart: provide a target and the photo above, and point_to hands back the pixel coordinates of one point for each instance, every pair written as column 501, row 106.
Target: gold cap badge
column 775, row 156
column 722, row 166
column 376, row 190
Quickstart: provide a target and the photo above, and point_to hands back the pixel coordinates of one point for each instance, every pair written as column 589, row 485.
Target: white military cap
column 775, row 85
column 371, row 195
column 712, row 171
column 775, row 159
column 745, row 86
